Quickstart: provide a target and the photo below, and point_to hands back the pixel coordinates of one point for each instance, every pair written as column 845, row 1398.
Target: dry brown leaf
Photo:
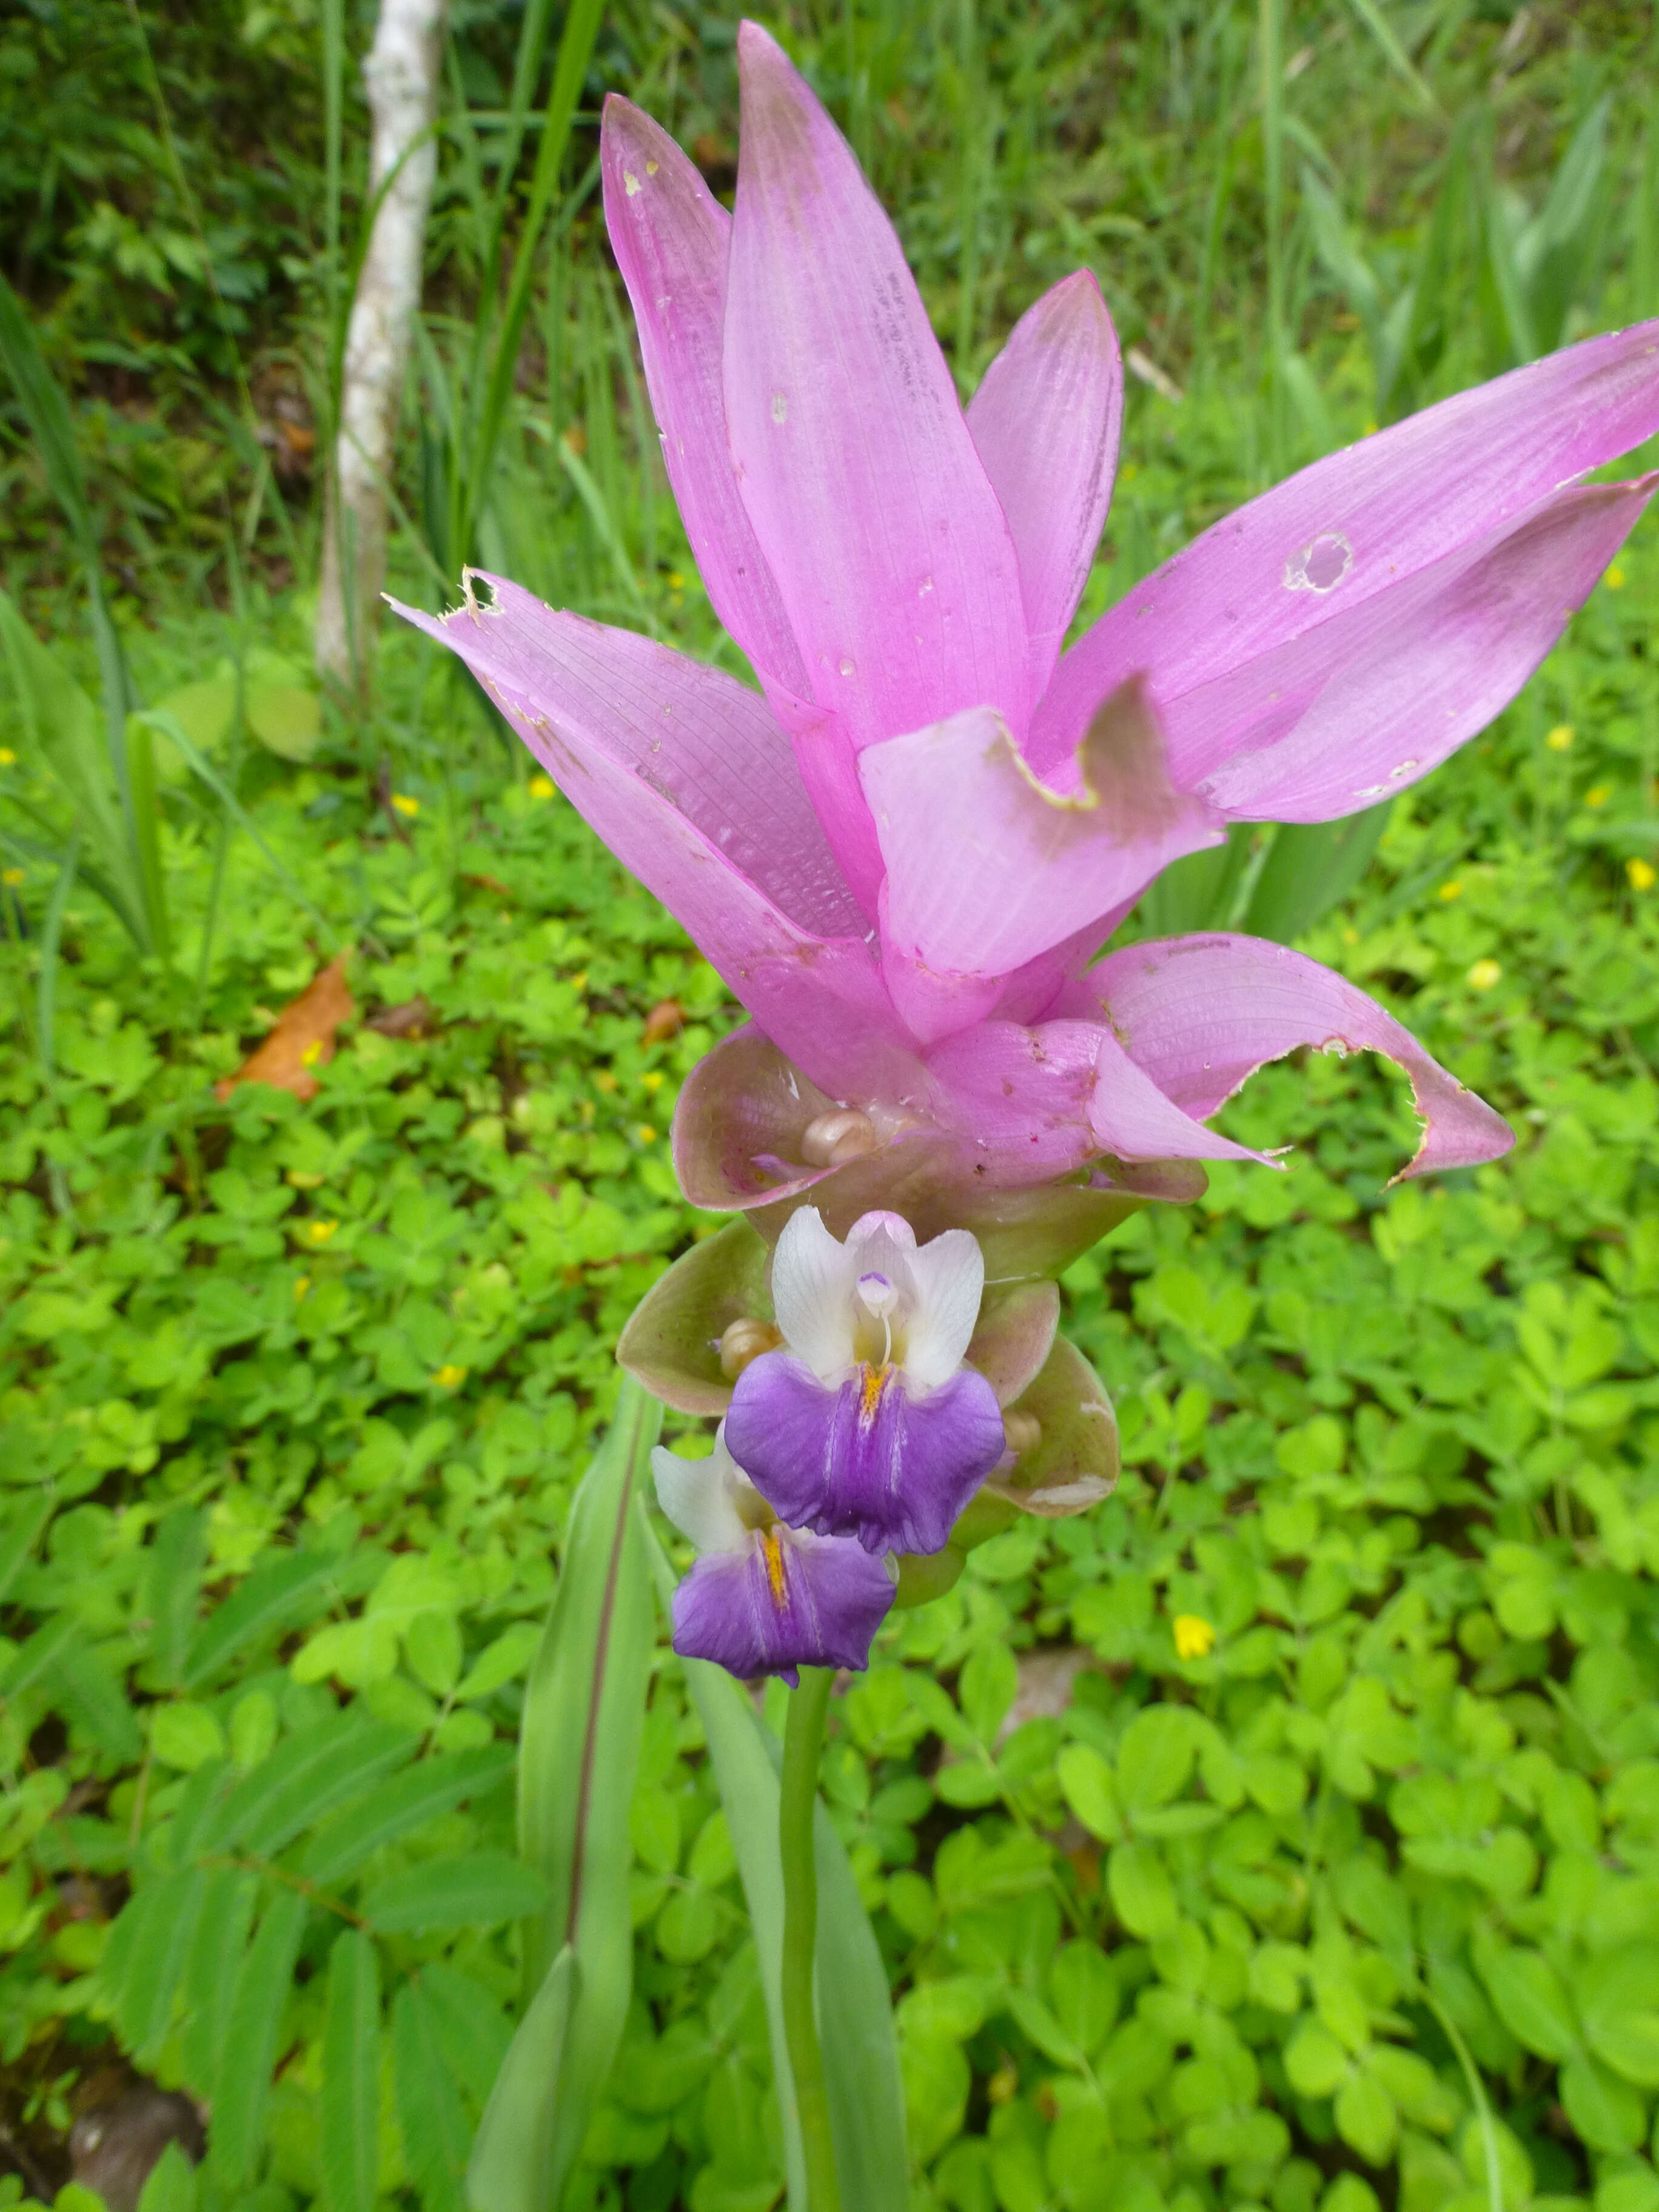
column 665, row 1019
column 412, row 1019
column 303, row 1039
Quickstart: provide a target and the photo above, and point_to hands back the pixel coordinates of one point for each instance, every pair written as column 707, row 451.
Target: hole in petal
column 1321, row 565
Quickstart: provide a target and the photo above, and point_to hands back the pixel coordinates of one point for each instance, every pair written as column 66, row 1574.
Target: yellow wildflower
column 449, row 1378
column 8, row 758
column 302, row 1284
column 1451, row 890
column 11, row 877
column 1483, row 974
column 646, row 1133
column 1614, row 579
column 1561, row 738
column 1194, row 1638
column 1641, row 874
column 651, row 1079
column 320, row 1231
column 1598, row 795
column 405, row 804
column 541, row 787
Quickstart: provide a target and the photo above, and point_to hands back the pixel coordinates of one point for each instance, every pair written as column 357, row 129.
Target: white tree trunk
column 402, row 78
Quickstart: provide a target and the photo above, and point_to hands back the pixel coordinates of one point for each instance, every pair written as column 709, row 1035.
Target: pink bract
column 903, row 853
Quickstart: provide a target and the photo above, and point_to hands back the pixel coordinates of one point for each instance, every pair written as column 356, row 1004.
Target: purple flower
column 763, row 1598
column 867, row 1422
column 903, row 855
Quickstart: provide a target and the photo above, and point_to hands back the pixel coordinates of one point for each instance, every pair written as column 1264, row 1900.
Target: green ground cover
column 1358, row 1908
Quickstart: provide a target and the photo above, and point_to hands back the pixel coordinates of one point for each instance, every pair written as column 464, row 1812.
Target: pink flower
column 903, row 855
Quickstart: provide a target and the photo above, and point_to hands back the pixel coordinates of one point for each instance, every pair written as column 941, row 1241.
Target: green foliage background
column 1361, row 1908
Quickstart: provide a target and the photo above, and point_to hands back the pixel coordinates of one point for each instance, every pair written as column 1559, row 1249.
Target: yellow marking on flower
column 1641, row 874
column 1614, row 579
column 772, row 1553
column 448, row 1377
column 1451, row 890
column 870, row 1395
column 652, row 167
column 1598, row 795
column 405, row 804
column 302, row 1284
column 1560, row 738
column 1194, row 1638
column 11, row 877
column 541, row 787
column 320, row 1231
column 1483, row 974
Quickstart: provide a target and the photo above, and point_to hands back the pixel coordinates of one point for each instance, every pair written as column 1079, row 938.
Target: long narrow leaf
column 277, row 1596
column 249, row 2051
column 1311, row 868
column 430, row 2117
column 415, row 1798
column 350, row 2102
column 62, row 725
column 584, row 1713
column 513, row 2154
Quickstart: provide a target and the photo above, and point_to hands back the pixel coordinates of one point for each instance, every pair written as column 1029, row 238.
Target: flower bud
column 829, row 1140
column 743, row 1342
column 1023, row 1431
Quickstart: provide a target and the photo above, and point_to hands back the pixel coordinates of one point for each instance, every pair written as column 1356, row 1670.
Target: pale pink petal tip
column 1201, row 1014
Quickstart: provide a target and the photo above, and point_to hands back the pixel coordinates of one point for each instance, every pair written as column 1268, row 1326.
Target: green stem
column 803, row 1742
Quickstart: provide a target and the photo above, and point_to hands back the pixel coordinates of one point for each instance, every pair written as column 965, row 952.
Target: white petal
column 814, row 1280
column 950, row 1280
column 701, row 1497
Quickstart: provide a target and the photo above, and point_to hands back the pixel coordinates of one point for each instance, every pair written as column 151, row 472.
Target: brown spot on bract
column 303, row 1038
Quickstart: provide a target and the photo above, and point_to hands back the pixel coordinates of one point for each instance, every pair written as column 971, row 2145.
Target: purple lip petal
column 793, row 1601
column 865, row 1459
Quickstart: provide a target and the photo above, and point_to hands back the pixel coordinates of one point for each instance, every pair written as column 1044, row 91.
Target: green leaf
column 279, row 1595
column 153, row 1956
column 1617, row 1997
column 87, row 1691
column 1607, row 2112
column 513, row 2158
column 480, row 1890
column 243, row 2082
column 171, row 2184
column 419, row 1795
column 1310, row 867
column 174, row 1580
column 1532, row 2002
column 62, row 727
column 220, row 1945
column 1090, row 1791
column 430, row 2117
column 1143, row 1896
column 309, row 1776
column 1155, row 1758
column 350, row 2102
column 579, row 1751
column 1366, row 2117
